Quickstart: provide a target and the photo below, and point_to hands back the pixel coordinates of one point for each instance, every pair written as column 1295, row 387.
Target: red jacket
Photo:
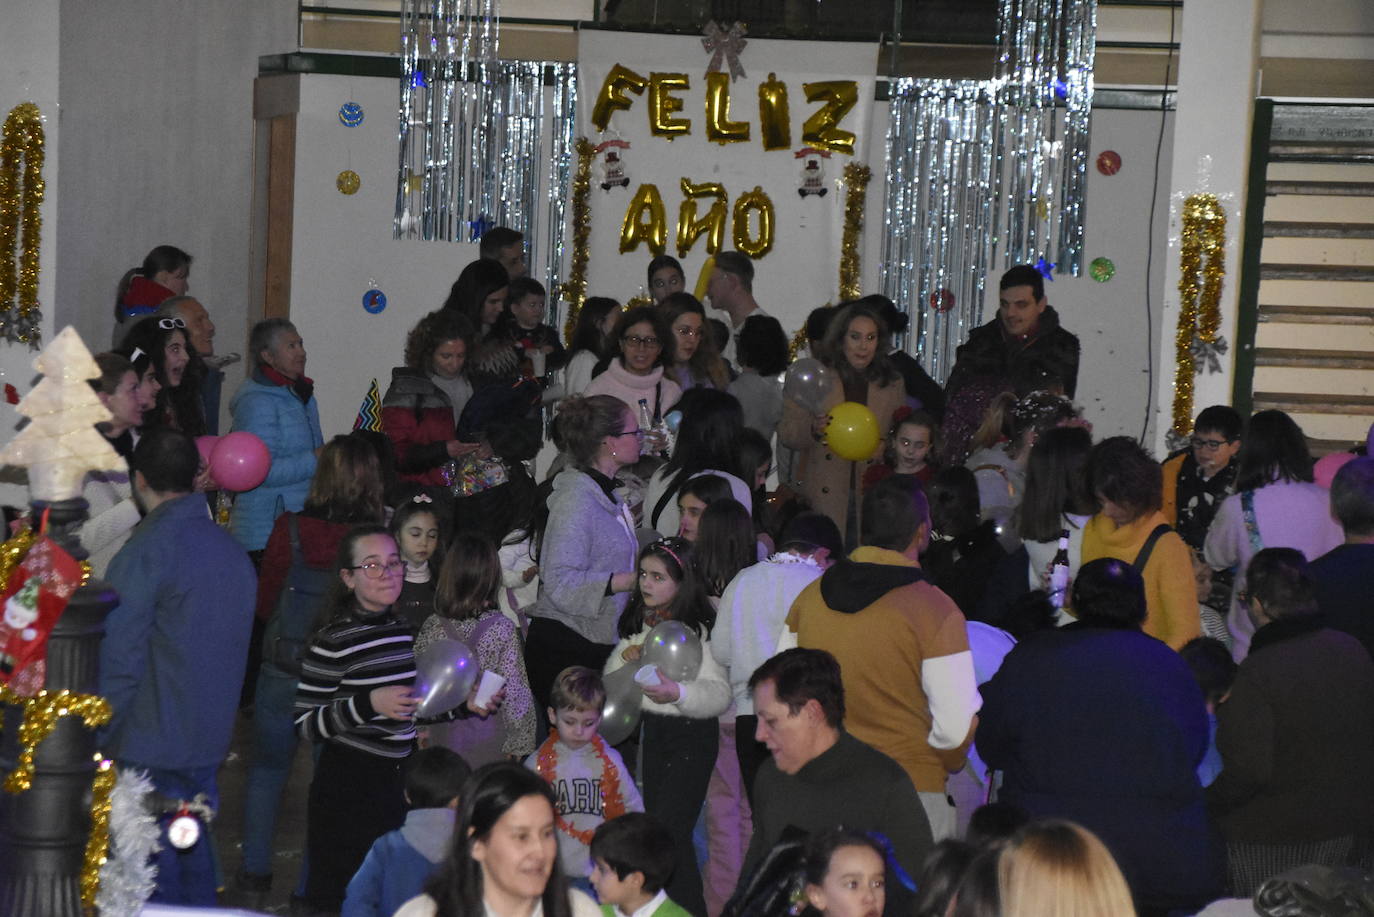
column 417, row 417
column 319, row 545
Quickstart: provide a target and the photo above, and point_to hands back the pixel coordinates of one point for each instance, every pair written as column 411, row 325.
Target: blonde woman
column 1055, row 868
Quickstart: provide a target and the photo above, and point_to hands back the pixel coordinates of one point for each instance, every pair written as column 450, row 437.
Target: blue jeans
column 186, row 877
column 274, row 749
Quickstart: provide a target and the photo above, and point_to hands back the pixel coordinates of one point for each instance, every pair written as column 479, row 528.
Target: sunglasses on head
column 167, row 324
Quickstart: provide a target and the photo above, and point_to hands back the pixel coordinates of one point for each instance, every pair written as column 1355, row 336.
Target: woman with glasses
column 1276, row 505
column 345, row 491
column 587, row 556
column 178, row 372
column 642, row 346
column 696, row 362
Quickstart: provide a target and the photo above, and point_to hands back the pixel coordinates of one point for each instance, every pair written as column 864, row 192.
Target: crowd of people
column 995, row 668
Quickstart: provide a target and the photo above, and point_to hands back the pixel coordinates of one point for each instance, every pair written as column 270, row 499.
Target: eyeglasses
column 167, row 324
column 377, row 570
column 638, row 434
column 688, row 332
column 1208, row 443
column 634, row 340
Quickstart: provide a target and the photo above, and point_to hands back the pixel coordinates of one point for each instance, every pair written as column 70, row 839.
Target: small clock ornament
column 374, row 301
column 350, row 114
column 183, row 831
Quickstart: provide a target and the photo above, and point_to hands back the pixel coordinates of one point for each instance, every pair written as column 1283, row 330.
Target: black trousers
column 677, row 756
column 355, row 798
column 550, row 647
column 750, row 751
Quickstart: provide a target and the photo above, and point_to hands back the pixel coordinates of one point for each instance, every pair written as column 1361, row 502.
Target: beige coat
column 824, row 476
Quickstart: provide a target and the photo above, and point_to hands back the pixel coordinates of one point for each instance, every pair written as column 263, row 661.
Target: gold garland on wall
column 98, row 843
column 1202, row 269
column 21, row 195
column 575, row 288
column 856, row 178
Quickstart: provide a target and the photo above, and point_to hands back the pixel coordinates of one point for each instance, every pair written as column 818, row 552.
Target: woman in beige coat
column 855, row 348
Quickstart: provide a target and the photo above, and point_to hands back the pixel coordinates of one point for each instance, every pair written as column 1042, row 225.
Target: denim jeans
column 274, row 749
column 186, row 877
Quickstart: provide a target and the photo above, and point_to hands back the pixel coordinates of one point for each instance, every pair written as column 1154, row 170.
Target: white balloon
column 445, row 672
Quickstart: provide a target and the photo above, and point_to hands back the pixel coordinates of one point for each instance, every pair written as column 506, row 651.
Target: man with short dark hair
column 820, row 776
column 1343, row 575
column 901, row 643
column 730, row 288
column 172, row 661
column 506, row 245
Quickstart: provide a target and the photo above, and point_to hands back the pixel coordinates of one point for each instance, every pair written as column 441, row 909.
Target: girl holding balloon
column 466, row 611
column 830, row 412
column 683, row 690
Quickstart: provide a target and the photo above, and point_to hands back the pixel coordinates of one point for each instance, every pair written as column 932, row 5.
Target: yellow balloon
column 775, row 120
column 704, row 278
column 645, row 222
column 612, row 95
column 852, row 432
column 762, row 244
column 822, row 128
column 662, row 104
column 719, row 128
column 712, row 224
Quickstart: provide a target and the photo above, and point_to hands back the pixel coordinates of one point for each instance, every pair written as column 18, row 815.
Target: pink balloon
column 1328, row 465
column 206, row 445
column 240, row 461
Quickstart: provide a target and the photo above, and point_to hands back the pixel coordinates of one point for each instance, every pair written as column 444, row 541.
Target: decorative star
column 1046, row 269
column 1061, row 88
column 418, row 81
column 479, row 227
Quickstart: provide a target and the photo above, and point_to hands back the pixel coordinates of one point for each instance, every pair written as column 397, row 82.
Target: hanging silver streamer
column 1047, row 48
column 563, row 155
column 939, row 210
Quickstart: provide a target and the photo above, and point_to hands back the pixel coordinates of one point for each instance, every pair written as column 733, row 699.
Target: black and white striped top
column 342, row 665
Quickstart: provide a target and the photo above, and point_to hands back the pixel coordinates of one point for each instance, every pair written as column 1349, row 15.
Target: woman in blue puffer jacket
column 276, row 403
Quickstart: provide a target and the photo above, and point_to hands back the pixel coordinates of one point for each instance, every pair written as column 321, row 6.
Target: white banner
column 766, row 149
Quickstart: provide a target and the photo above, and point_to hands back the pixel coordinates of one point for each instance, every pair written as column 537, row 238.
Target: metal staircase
column 1306, row 334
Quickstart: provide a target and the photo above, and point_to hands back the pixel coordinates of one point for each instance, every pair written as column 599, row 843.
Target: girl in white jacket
column 679, row 738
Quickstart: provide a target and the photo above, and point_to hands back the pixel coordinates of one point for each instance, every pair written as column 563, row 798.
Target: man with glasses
column 173, row 657
column 1198, row 478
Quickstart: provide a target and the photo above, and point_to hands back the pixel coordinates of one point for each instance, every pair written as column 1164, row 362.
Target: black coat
column 1042, row 360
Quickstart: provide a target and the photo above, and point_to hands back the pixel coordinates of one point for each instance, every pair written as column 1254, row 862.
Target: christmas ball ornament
column 374, row 301
column 348, row 182
column 1109, row 162
column 350, row 114
column 942, row 300
column 1102, row 269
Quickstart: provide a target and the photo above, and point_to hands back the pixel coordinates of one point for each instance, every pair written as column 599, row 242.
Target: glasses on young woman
column 376, row 570
column 167, row 324
column 634, row 340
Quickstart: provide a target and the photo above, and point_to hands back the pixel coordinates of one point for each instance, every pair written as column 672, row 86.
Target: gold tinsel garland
column 1202, row 268
column 856, row 177
column 21, row 195
column 98, row 843
column 798, row 342
column 575, row 288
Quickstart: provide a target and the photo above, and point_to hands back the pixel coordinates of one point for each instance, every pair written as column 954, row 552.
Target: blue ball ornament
column 350, row 114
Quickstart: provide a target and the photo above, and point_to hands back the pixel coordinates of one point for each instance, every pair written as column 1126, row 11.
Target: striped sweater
column 344, row 662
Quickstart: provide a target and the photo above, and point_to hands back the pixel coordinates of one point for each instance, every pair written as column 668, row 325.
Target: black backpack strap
column 658, row 401
column 1148, row 547
column 658, row 507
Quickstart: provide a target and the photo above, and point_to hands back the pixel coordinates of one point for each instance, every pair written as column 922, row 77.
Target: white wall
column 156, row 101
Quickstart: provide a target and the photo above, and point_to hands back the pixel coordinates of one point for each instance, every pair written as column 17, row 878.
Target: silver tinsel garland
column 129, row 876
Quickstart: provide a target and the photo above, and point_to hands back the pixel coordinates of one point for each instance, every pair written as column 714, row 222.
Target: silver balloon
column 620, row 716
column 675, row 649
column 808, row 383
column 445, row 671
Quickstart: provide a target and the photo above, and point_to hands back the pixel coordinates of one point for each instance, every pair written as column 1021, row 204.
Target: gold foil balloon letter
column 644, row 222
column 775, row 120
column 712, row 224
column 611, row 98
column 822, row 129
column 762, row 244
column 719, row 127
column 663, row 104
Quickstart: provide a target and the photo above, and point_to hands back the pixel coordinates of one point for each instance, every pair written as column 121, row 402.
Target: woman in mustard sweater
column 1129, row 486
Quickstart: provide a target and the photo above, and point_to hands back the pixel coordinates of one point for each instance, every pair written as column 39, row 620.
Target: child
column 1215, row 672
column 401, row 861
column 587, row 775
column 465, row 610
column 632, row 858
column 541, row 352
column 679, row 741
column 845, row 874
column 697, row 494
column 415, row 526
column 908, row 448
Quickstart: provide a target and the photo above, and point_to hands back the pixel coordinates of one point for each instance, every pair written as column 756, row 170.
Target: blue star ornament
column 1046, row 269
column 478, row 227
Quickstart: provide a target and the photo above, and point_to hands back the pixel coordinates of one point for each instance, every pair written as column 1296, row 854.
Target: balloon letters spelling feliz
column 775, row 120
column 822, row 128
column 719, row 128
column 663, row 104
column 762, row 244
column 712, row 224
column 645, row 222
column 611, row 98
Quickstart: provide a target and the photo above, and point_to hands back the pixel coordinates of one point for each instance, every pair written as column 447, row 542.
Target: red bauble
column 1109, row 162
column 942, row 301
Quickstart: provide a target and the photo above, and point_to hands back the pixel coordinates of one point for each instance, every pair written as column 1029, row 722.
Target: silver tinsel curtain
column 475, row 133
column 978, row 166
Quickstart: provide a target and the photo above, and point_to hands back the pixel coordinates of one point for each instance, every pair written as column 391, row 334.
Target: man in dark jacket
column 1343, row 574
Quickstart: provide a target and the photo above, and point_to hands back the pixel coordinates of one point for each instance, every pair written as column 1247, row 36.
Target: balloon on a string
column 445, row 672
column 675, row 649
column 240, row 461
column 620, row 715
column 853, row 432
column 205, row 445
column 1325, row 470
column 808, row 383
